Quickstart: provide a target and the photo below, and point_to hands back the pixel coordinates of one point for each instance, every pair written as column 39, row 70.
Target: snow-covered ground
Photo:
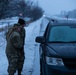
column 31, row 51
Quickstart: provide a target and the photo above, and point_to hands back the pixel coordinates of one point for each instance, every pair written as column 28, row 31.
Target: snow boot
column 11, row 74
column 19, row 72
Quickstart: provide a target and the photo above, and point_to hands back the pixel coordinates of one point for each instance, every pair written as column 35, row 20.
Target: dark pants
column 16, row 62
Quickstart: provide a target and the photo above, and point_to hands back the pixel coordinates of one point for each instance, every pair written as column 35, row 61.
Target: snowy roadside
column 30, row 47
column 30, row 50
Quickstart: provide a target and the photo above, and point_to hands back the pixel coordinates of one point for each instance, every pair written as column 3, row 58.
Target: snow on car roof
column 60, row 20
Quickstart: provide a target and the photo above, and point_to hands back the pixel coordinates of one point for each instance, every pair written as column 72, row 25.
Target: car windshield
column 62, row 34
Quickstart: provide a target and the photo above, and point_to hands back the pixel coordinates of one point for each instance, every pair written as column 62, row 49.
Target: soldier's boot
column 11, row 74
column 19, row 72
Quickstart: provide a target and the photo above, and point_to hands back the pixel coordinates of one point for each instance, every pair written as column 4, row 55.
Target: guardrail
column 5, row 25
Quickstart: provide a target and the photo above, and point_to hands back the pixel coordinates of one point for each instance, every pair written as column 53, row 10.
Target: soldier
column 15, row 47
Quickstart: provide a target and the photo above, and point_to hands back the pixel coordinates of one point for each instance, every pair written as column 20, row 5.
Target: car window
column 62, row 33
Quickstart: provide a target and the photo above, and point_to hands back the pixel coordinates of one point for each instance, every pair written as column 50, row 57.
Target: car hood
column 63, row 50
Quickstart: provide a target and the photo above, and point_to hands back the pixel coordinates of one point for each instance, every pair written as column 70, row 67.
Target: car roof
column 55, row 21
column 63, row 24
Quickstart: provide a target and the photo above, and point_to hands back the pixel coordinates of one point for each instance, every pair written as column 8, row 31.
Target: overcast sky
column 56, row 6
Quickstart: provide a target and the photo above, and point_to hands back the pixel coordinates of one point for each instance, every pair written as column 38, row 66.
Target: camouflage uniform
column 15, row 49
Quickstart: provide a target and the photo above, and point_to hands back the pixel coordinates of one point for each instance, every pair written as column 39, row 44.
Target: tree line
column 20, row 8
column 68, row 14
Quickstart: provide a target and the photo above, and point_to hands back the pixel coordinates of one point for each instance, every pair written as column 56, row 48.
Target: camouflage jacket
column 15, row 39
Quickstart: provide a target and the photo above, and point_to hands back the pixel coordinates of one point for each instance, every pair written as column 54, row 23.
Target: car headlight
column 54, row 61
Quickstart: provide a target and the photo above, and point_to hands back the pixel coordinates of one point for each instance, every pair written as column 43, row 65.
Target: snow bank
column 30, row 46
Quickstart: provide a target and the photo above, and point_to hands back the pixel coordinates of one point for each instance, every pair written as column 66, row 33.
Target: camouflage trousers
column 16, row 62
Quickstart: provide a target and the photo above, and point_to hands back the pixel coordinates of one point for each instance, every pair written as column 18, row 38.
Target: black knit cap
column 21, row 21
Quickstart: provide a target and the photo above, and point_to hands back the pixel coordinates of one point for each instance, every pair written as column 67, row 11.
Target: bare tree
column 9, row 8
column 21, row 8
column 3, row 7
column 34, row 12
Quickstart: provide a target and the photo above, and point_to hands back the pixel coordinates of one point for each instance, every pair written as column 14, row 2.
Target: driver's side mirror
column 40, row 39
